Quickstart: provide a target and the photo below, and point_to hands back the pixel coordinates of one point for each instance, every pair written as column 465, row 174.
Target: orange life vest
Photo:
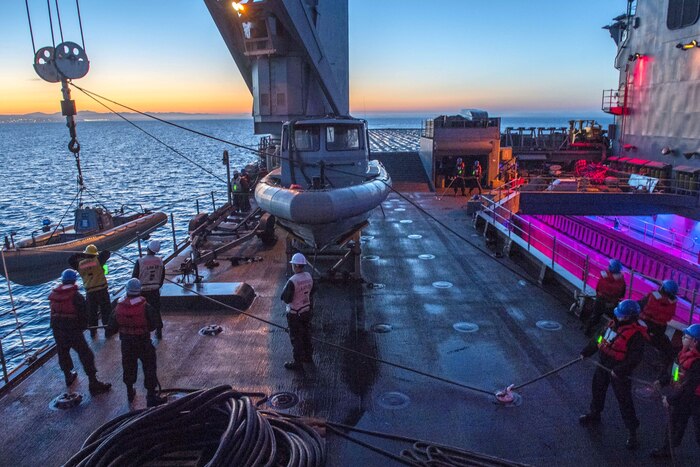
column 659, row 308
column 131, row 316
column 686, row 358
column 61, row 302
column 615, row 340
column 611, row 287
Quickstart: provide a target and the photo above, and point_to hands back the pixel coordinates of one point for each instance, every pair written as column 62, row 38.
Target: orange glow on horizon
column 38, row 96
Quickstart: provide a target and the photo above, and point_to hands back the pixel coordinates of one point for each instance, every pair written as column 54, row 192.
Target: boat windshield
column 342, row 137
column 306, row 138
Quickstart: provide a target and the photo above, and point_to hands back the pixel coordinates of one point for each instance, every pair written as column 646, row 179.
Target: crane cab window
column 342, row 137
column 682, row 13
column 306, row 138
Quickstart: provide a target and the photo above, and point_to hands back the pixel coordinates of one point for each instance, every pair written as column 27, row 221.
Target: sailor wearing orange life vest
column 68, row 321
column 90, row 264
column 297, row 294
column 684, row 402
column 134, row 318
column 609, row 290
column 658, row 308
column 475, row 180
column 150, row 271
column 621, row 347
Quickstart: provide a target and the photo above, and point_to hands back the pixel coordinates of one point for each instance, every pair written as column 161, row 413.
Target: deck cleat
column 506, row 396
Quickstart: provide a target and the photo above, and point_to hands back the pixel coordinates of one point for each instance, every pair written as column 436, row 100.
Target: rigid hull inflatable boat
column 43, row 257
column 326, row 185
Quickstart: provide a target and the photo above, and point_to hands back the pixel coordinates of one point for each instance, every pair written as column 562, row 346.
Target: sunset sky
column 506, row 56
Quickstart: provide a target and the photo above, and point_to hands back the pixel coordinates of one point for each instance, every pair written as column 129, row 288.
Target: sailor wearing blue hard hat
column 684, row 401
column 620, row 348
column 658, row 308
column 134, row 318
column 69, row 318
column 609, row 290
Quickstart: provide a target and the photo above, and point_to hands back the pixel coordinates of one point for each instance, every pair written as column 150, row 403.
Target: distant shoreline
column 90, row 116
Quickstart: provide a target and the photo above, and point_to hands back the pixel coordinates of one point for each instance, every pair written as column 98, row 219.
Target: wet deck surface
column 422, row 299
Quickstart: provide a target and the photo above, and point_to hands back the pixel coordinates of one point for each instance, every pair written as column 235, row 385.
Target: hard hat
column 693, row 331
column 476, row 162
column 626, row 309
column 154, row 246
column 459, row 160
column 670, row 287
column 91, row 250
column 244, row 171
column 615, row 266
column 69, row 276
column 298, row 259
column 133, row 287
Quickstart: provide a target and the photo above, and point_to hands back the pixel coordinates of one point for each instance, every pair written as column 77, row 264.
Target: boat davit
column 42, row 258
column 326, row 185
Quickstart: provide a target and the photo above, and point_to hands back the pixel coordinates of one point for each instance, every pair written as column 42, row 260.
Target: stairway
column 406, row 170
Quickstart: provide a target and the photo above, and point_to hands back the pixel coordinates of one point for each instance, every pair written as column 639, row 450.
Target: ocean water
column 121, row 166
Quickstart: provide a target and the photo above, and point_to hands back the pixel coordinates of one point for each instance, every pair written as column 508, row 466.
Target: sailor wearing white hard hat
column 150, row 271
column 297, row 295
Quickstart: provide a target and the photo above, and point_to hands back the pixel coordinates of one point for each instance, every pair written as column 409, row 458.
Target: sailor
column 134, row 318
column 475, row 179
column 609, row 290
column 458, row 179
column 69, row 319
column 150, row 271
column 684, row 402
column 91, row 266
column 621, row 347
column 658, row 308
column 297, row 294
column 237, row 191
column 245, row 191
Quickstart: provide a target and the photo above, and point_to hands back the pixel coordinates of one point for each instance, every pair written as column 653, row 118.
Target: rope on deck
column 214, row 427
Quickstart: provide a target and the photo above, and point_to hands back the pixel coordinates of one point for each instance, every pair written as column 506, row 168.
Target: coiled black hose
column 220, row 427
column 211, row 427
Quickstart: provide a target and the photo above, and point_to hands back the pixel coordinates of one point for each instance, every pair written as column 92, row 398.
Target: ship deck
column 422, row 299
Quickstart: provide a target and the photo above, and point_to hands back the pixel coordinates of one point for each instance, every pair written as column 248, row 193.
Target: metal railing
column 688, row 246
column 17, row 347
column 17, row 328
column 565, row 257
column 624, row 182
